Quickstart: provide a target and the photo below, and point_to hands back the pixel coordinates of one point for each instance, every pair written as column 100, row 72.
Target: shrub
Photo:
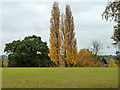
column 112, row 63
column 5, row 63
column 99, row 63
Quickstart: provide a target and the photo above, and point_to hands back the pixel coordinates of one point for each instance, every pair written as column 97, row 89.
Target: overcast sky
column 23, row 19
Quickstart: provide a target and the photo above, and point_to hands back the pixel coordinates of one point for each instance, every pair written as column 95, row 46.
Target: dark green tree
column 28, row 52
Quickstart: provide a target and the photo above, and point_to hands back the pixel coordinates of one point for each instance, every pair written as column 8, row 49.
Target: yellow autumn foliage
column 85, row 58
column 112, row 63
column 54, row 34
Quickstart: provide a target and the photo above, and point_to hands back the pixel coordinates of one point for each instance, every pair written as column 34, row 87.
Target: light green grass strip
column 60, row 77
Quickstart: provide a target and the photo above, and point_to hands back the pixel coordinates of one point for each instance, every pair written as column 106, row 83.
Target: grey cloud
column 23, row 19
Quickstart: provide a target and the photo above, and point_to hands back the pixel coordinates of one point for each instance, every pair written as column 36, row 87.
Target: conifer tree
column 55, row 34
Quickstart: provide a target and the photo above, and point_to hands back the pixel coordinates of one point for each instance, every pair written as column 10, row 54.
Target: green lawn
column 60, row 77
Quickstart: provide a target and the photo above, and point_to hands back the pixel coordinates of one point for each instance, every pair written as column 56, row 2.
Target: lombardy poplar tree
column 62, row 37
column 55, row 34
column 70, row 48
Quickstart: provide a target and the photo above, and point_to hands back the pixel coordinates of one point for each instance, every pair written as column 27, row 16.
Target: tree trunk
column 71, row 65
column 65, row 63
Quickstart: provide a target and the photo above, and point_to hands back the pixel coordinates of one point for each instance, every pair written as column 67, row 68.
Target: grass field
column 60, row 77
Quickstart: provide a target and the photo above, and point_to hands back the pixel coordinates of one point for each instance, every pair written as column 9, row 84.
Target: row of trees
column 63, row 42
column 62, row 37
column 62, row 34
column 33, row 52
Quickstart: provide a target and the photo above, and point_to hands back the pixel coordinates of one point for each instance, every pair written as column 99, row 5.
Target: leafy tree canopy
column 28, row 52
column 112, row 12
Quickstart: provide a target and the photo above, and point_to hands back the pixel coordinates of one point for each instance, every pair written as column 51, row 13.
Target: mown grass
column 60, row 77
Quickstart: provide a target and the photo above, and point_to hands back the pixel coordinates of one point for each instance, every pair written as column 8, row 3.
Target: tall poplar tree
column 70, row 48
column 55, row 34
